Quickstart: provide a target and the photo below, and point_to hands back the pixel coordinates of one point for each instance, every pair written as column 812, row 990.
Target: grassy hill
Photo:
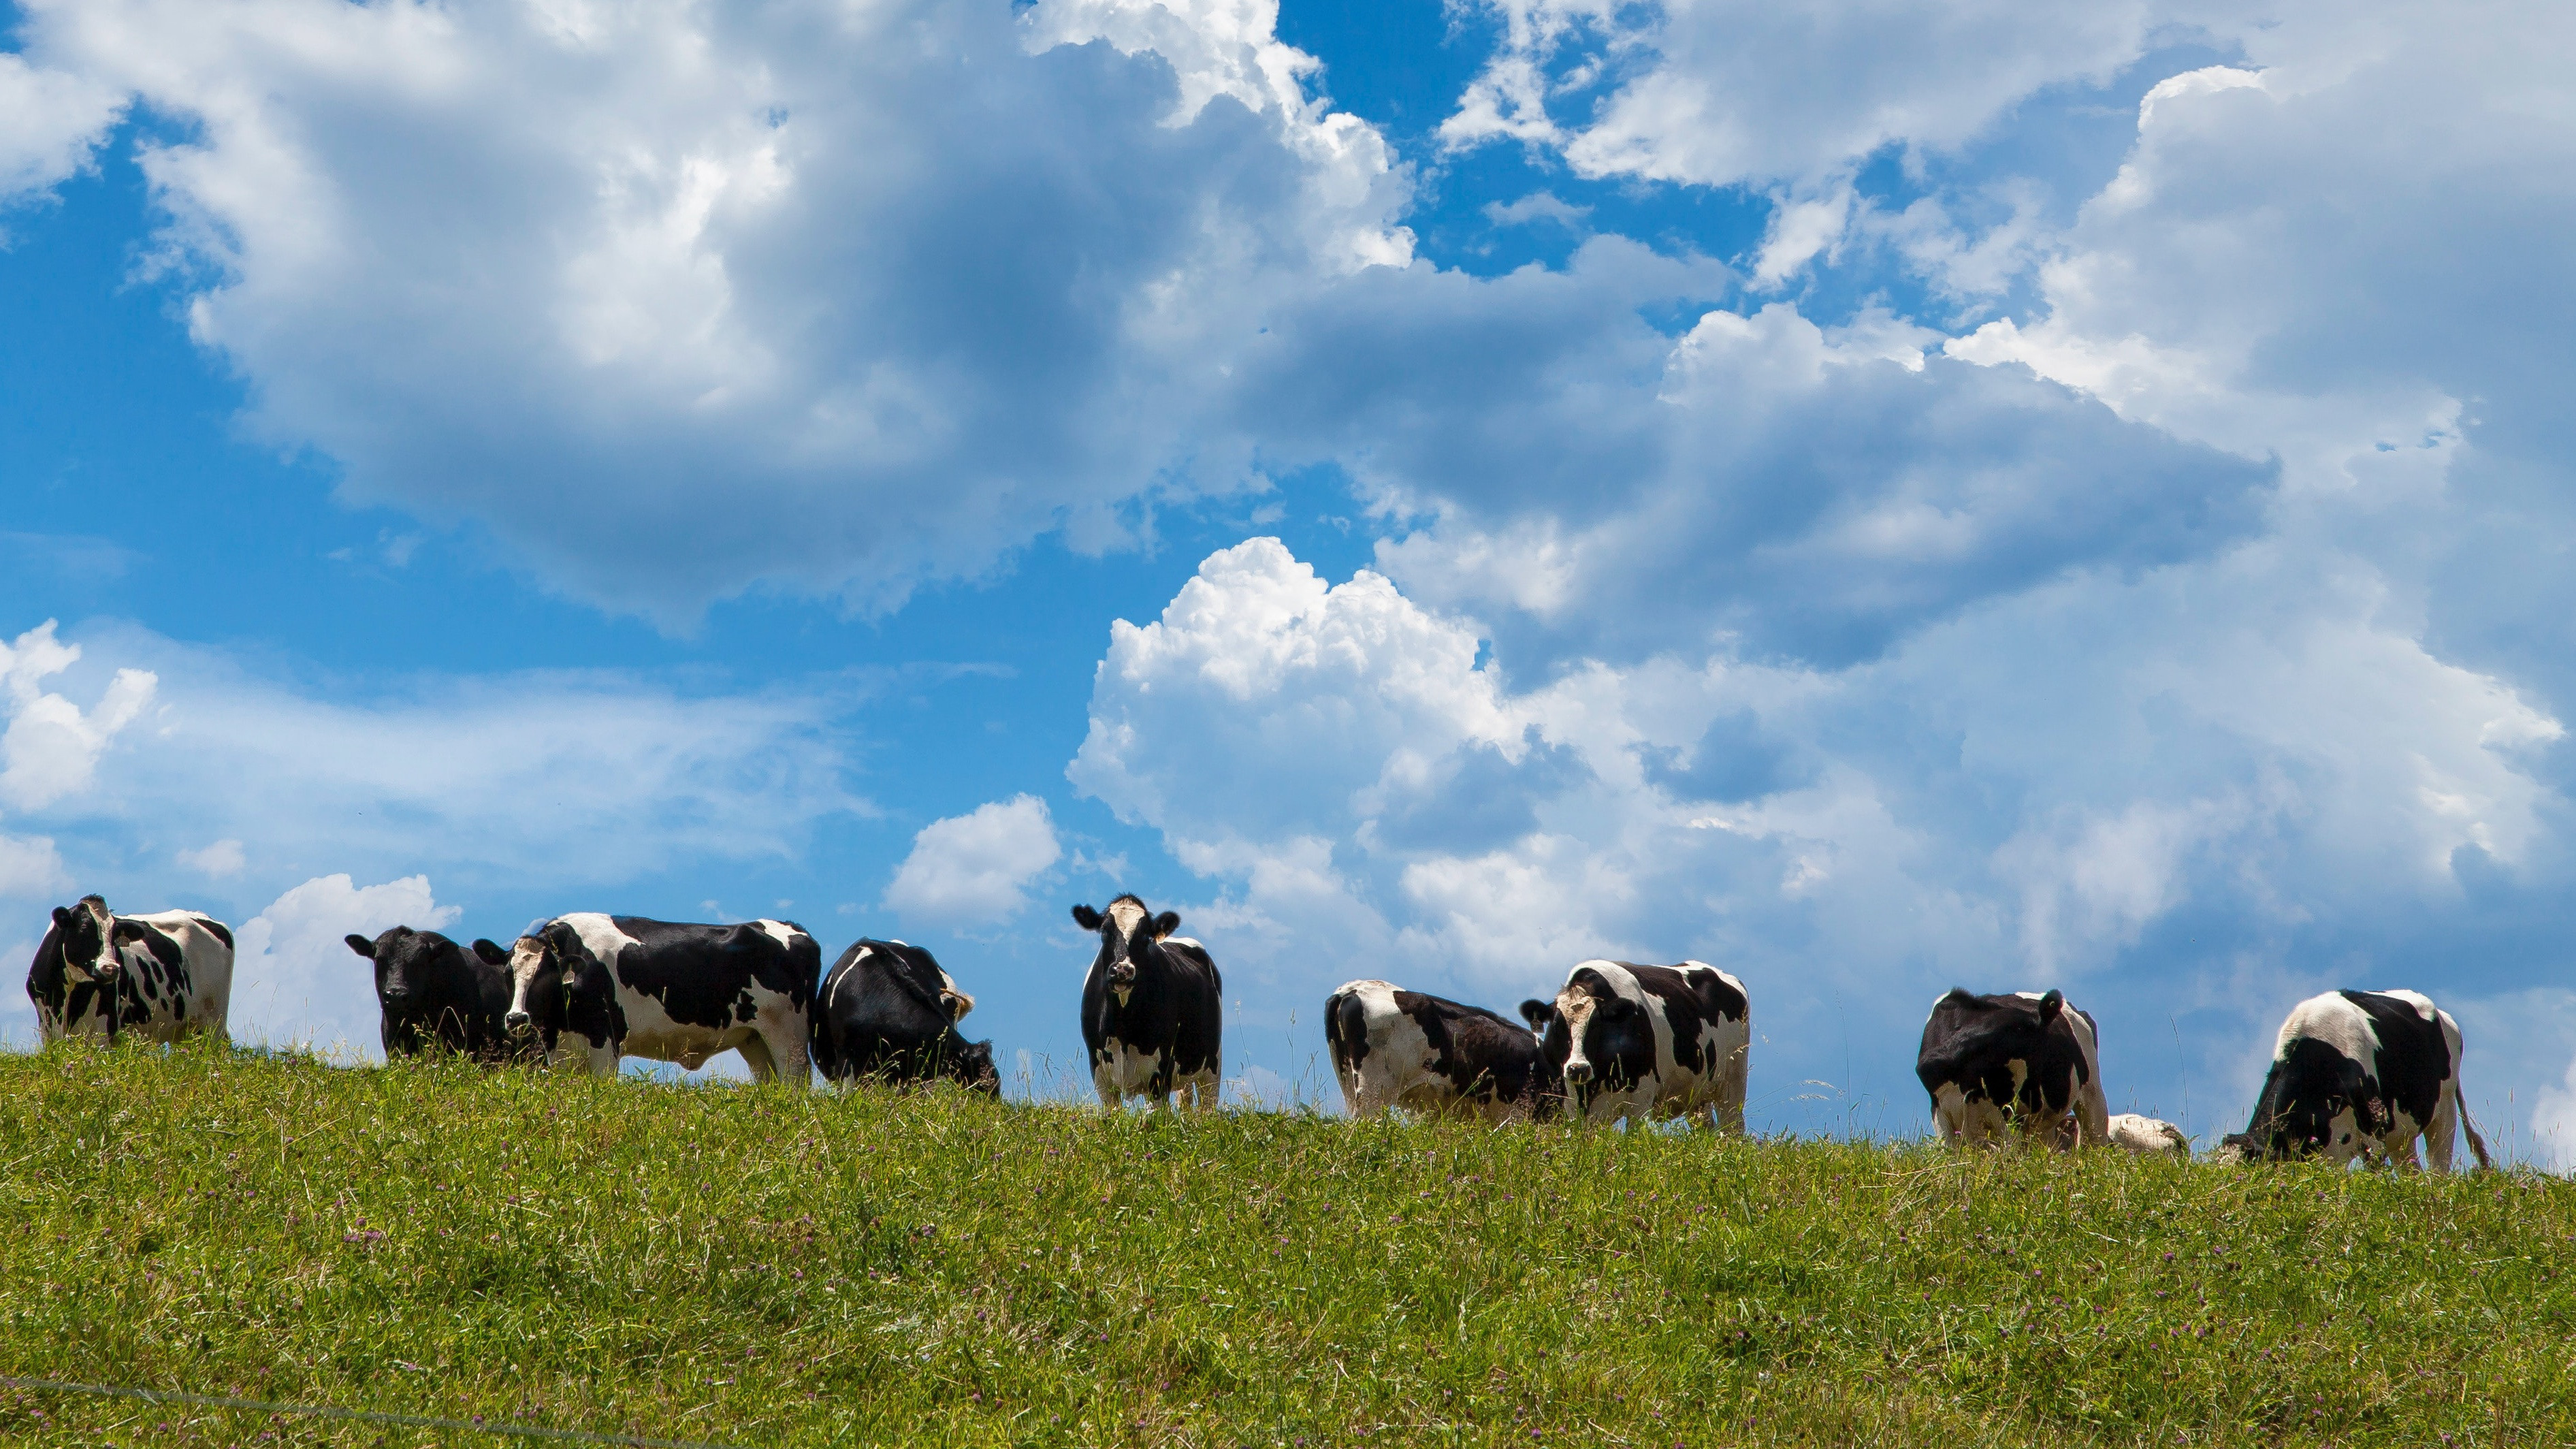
column 756, row 1267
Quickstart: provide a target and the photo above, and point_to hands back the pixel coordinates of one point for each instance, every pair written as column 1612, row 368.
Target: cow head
column 86, row 935
column 972, row 1064
column 542, row 975
column 417, row 975
column 1130, row 937
column 1591, row 1038
column 2316, row 1102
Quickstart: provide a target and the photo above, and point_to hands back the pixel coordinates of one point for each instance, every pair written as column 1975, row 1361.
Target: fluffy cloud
column 221, row 859
column 2032, row 789
column 49, row 124
column 974, row 869
column 295, row 980
column 835, row 297
column 52, row 745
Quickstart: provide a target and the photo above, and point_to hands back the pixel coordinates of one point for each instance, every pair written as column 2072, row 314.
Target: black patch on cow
column 879, row 1015
column 1174, row 1010
column 1971, row 1041
column 218, row 930
column 1484, row 1056
column 433, row 994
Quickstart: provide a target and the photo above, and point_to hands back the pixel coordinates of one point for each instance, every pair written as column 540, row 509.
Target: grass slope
column 754, row 1267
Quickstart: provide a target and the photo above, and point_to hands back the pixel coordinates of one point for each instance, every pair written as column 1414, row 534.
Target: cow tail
column 1345, row 1022
column 2477, row 1144
column 820, row 1042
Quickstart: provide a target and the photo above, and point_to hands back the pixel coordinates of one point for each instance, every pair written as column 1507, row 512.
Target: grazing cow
column 888, row 1011
column 2148, row 1137
column 1152, row 1008
column 435, row 993
column 2021, row 1059
column 1647, row 1041
column 2361, row 1073
column 167, row 974
column 603, row 987
column 1396, row 1048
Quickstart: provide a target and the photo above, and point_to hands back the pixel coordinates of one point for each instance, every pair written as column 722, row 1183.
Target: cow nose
column 1578, row 1072
column 516, row 1021
column 1122, row 972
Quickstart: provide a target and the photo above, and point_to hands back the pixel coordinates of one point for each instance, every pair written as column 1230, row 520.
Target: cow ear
column 1166, row 923
column 62, row 915
column 1537, row 1013
column 1083, row 916
column 490, row 952
column 2051, row 1004
column 361, row 945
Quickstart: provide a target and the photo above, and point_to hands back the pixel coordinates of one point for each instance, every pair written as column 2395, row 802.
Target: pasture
column 755, row 1266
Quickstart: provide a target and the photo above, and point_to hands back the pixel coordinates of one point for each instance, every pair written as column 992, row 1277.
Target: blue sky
column 1873, row 495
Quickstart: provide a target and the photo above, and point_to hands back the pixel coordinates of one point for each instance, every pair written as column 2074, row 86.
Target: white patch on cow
column 1396, row 1069
column 2147, row 1136
column 1120, row 1071
column 783, row 933
column 957, row 1002
column 1963, row 1122
column 2334, row 1021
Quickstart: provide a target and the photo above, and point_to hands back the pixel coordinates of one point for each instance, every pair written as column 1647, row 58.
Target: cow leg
column 2442, row 1133
column 1202, row 1089
column 755, row 1054
column 1104, row 1080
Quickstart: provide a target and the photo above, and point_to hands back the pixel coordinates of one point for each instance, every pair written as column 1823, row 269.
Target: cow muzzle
column 1578, row 1074
column 517, row 1022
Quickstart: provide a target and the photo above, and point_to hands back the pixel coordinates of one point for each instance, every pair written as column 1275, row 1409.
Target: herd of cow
column 2354, row 1073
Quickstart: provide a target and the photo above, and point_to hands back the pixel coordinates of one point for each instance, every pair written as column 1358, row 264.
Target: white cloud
column 295, row 980
column 1729, row 92
column 975, row 869
column 522, row 778
column 2022, row 795
column 838, row 298
column 30, row 868
column 52, row 746
column 221, row 859
column 50, row 122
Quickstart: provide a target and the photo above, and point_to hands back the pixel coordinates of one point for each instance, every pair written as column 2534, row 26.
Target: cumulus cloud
column 50, row 122
column 975, row 869
column 835, row 297
column 295, row 980
column 2022, row 795
column 52, row 745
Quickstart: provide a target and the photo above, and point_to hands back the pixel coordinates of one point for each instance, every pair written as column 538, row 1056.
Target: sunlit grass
column 762, row 1267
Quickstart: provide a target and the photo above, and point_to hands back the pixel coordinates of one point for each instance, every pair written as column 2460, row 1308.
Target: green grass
column 755, row 1267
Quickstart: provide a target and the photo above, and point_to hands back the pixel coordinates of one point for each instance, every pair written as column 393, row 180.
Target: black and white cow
column 2361, row 1074
column 168, row 974
column 1398, row 1048
column 1648, row 1041
column 1152, row 1008
column 435, row 993
column 598, row 987
column 2022, row 1059
column 887, row 1011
